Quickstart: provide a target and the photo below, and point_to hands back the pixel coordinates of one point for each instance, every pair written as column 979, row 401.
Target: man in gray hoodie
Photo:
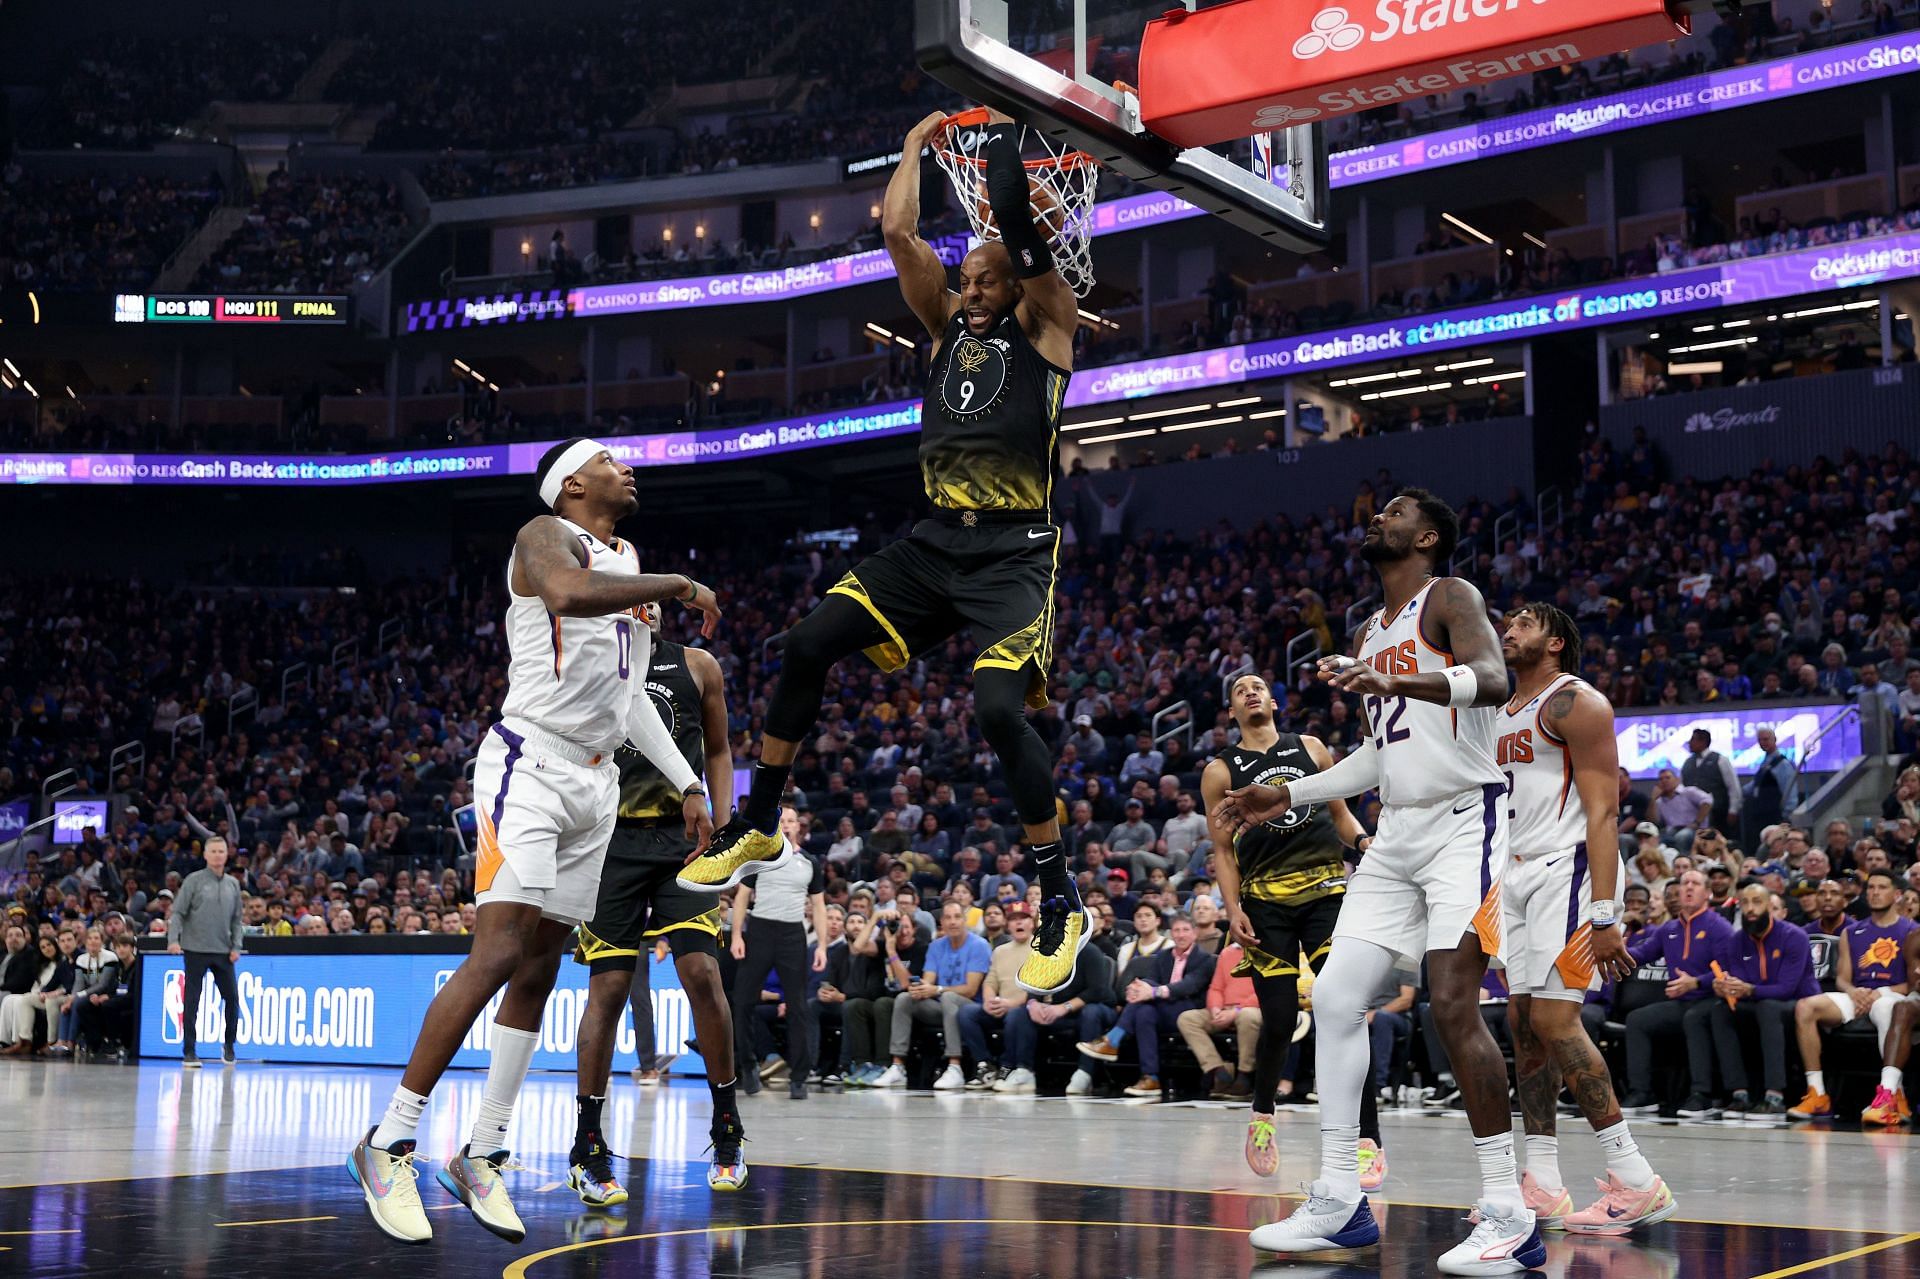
column 205, row 926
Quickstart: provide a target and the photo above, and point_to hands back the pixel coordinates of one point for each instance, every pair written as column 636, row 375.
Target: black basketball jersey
column 644, row 789
column 1296, row 857
column 989, row 432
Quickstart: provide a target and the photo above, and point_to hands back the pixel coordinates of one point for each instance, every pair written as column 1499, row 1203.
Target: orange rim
column 978, row 115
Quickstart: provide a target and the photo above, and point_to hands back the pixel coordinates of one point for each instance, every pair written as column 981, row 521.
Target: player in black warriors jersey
column 640, row 901
column 1002, row 354
column 1282, row 886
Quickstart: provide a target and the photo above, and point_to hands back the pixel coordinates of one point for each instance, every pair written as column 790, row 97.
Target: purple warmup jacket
column 1777, row 962
column 1688, row 946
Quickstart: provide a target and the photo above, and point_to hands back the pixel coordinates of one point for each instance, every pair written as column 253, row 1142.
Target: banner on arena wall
column 365, row 1010
column 14, row 817
column 1838, row 266
column 677, row 448
column 1649, row 742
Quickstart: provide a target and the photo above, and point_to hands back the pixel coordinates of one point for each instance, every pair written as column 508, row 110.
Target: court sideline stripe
column 1822, row 1263
column 519, row 1268
column 270, row 1221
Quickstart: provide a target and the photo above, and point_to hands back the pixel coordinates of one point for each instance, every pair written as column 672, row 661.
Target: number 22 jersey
column 1428, row 752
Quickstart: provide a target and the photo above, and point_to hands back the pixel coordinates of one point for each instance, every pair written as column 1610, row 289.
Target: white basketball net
column 1060, row 192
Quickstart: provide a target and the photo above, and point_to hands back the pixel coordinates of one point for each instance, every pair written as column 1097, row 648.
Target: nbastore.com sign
column 1211, row 75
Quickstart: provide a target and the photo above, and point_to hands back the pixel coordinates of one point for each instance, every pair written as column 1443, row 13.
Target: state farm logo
column 1332, row 30
column 1278, row 117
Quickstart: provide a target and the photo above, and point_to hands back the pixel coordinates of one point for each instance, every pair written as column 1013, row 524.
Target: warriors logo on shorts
column 976, row 375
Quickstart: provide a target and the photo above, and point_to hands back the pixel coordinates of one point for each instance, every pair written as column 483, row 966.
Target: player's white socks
column 512, row 1054
column 1499, row 1178
column 1340, row 1160
column 1543, row 1160
column 1624, row 1159
column 1890, row 1078
column 1817, row 1081
column 402, row 1119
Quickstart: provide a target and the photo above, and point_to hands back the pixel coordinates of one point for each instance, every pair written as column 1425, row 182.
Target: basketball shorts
column 1547, row 903
column 1431, row 876
column 640, row 898
column 1287, row 932
column 995, row 577
column 545, row 808
column 1880, row 1013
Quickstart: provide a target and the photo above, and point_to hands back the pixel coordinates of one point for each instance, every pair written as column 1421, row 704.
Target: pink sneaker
column 1621, row 1208
column 1373, row 1165
column 1551, row 1205
column 1262, row 1155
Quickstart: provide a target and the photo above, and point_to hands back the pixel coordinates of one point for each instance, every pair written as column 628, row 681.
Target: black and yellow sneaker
column 1065, row 928
column 591, row 1175
column 737, row 851
column 728, row 1171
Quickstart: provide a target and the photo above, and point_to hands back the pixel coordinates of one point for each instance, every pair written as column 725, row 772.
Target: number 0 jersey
column 569, row 675
column 989, row 431
column 1544, row 813
column 1295, row 858
column 1428, row 752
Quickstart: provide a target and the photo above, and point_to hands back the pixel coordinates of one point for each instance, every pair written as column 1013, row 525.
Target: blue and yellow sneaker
column 591, row 1176
column 475, row 1181
column 737, row 851
column 729, row 1168
column 1065, row 929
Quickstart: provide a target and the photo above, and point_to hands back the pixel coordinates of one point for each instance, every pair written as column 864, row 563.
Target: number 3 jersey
column 1428, row 752
column 989, row 431
column 569, row 675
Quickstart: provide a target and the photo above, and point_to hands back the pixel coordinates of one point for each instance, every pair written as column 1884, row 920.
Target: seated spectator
column 52, row 978
column 1083, row 1009
column 1231, row 1007
column 1652, row 861
column 95, row 972
column 993, row 924
column 1688, row 944
column 1176, row 982
column 1000, row 994
column 1766, row 970
column 1207, row 933
column 1148, row 940
column 1131, row 842
column 1003, row 873
column 929, row 840
column 956, row 965
column 1878, row 961
column 106, row 1016
column 1389, row 1029
column 1680, row 810
column 865, row 1004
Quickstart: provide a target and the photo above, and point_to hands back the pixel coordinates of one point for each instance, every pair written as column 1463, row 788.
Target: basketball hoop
column 1060, row 192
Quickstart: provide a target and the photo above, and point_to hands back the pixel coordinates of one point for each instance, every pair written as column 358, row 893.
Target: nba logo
column 1780, row 77
column 173, row 1008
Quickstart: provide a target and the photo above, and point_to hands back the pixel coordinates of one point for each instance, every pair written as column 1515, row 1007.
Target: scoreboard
column 236, row 308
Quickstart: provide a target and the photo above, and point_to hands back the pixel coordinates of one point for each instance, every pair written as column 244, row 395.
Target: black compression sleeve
column 1012, row 205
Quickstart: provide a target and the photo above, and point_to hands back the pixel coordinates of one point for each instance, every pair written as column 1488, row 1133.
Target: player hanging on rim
column 639, row 901
column 1282, row 886
column 545, row 794
column 1002, row 354
column 1562, row 918
column 1431, row 679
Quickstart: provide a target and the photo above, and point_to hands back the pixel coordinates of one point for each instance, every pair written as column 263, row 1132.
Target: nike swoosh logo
column 1034, row 537
column 1458, row 812
column 1616, row 1212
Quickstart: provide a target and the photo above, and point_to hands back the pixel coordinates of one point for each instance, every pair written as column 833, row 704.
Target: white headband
column 568, row 463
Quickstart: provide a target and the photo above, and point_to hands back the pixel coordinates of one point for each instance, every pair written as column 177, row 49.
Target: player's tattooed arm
column 549, row 561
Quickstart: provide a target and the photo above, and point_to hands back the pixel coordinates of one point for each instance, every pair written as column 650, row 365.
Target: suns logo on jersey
column 1401, row 659
column 1881, row 954
column 1516, row 748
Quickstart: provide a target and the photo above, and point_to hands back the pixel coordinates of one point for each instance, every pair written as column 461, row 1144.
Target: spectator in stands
column 95, row 971
column 106, row 1015
column 1230, row 1008
column 1766, row 970
column 1652, row 863
column 1389, row 1028
column 1689, row 944
column 1176, row 981
column 1680, row 809
column 51, row 979
column 1770, row 793
column 956, row 965
column 866, row 1011
column 1000, row 994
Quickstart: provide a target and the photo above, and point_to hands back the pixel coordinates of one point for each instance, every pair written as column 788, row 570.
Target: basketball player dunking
column 639, row 902
column 1562, row 919
column 1002, row 354
column 546, row 789
column 1430, row 674
column 1282, row 887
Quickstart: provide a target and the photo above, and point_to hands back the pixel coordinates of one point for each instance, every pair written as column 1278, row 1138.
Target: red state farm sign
column 1252, row 65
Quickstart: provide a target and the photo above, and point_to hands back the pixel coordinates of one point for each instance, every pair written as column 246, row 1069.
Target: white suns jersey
column 1428, row 752
column 568, row 675
column 1544, row 813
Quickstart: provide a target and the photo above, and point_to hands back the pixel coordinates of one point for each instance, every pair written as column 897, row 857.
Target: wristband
column 1463, row 686
column 693, row 591
column 1605, row 914
column 695, row 789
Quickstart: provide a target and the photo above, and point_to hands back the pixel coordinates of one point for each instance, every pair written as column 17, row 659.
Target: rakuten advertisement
column 1651, row 742
column 364, row 1010
column 1217, row 74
